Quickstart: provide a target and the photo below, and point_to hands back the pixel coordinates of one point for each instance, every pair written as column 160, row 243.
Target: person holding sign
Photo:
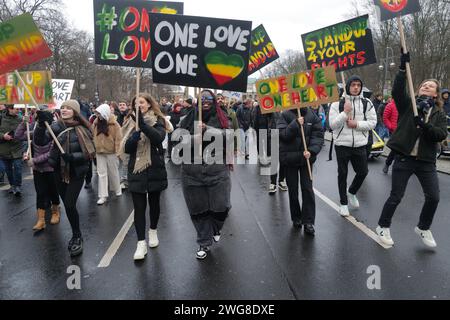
column 207, row 185
column 352, row 119
column 293, row 158
column 74, row 134
column 147, row 175
column 415, row 143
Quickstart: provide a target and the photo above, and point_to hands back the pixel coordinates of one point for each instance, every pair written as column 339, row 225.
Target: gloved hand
column 421, row 124
column 44, row 116
column 404, row 58
column 67, row 157
column 135, row 137
column 141, row 119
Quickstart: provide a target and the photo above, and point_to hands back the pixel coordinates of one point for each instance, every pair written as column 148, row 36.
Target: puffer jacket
column 109, row 144
column 291, row 142
column 343, row 135
column 10, row 149
column 390, row 117
column 80, row 166
column 404, row 139
column 154, row 178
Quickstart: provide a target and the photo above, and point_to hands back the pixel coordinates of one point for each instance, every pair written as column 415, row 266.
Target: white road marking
column 371, row 234
column 115, row 245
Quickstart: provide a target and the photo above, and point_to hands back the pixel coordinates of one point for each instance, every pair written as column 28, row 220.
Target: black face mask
column 425, row 104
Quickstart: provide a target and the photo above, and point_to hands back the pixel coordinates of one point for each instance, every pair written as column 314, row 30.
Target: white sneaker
column 153, row 241
column 384, row 234
column 101, row 201
column 283, row 186
column 119, row 194
column 123, row 186
column 141, row 251
column 427, row 237
column 343, row 211
column 353, row 200
column 272, row 189
column 216, row 237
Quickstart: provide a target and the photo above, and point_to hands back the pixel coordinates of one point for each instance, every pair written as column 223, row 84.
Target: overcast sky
column 284, row 20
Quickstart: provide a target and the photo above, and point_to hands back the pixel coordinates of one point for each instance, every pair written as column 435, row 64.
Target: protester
column 244, row 117
column 123, row 112
column 74, row 135
column 11, row 151
column 446, row 99
column 175, row 117
column 351, row 120
column 390, row 119
column 147, row 176
column 415, row 143
column 207, row 187
column 293, row 156
column 47, row 196
column 87, row 114
column 107, row 139
column 271, row 122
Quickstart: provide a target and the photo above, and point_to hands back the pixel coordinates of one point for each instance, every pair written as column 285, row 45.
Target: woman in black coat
column 294, row 158
column 415, row 144
column 147, row 174
column 74, row 135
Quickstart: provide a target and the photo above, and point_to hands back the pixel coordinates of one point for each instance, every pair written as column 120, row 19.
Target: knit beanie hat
column 72, row 104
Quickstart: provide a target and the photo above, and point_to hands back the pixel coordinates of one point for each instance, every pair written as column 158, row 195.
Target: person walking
column 390, row 119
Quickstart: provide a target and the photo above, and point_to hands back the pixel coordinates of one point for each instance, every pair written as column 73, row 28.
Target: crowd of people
column 128, row 150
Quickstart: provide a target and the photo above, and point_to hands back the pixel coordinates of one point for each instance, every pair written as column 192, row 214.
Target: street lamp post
column 386, row 65
column 97, row 95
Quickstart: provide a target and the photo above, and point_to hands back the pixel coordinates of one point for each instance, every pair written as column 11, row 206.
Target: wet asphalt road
column 259, row 257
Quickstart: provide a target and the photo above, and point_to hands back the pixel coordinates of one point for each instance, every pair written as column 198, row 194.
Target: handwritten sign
column 62, row 91
column 390, row 9
column 39, row 83
column 21, row 43
column 200, row 52
column 298, row 90
column 122, row 30
column 263, row 51
column 233, row 95
column 345, row 45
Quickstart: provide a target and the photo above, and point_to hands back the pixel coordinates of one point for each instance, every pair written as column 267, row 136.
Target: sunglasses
column 207, row 99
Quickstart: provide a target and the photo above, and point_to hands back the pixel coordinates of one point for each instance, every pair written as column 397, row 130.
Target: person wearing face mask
column 415, row 143
column 352, row 119
column 147, row 175
column 107, row 139
column 207, row 186
column 74, row 134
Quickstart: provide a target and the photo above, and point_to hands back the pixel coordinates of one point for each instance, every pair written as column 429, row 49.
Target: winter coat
column 121, row 118
column 244, row 116
column 109, row 144
column 404, row 139
column 80, row 165
column 446, row 102
column 10, row 149
column 342, row 134
column 154, row 178
column 291, row 142
column 390, row 117
column 41, row 146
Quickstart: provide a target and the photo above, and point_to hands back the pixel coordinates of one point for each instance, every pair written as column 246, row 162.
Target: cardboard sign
column 233, row 95
column 262, row 51
column 298, row 90
column 345, row 45
column 390, row 9
column 21, row 44
column 122, row 30
column 200, row 52
column 39, row 83
column 62, row 91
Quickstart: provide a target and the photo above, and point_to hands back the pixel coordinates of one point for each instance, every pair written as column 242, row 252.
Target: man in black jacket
column 293, row 156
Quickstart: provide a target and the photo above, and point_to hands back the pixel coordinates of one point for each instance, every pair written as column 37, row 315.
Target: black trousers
column 404, row 168
column 46, row 192
column 207, row 225
column 89, row 174
column 140, row 207
column 306, row 214
column 390, row 159
column 69, row 194
column 358, row 159
column 282, row 174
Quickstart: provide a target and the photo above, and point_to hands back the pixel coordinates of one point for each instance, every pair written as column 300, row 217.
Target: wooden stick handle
column 308, row 162
column 54, row 137
column 200, row 119
column 408, row 67
column 26, row 111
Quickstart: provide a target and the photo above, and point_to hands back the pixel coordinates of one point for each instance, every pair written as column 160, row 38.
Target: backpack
column 365, row 102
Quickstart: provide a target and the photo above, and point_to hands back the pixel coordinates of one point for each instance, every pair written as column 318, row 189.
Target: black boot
column 309, row 229
column 75, row 246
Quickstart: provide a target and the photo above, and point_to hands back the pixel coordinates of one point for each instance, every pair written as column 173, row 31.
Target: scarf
column 144, row 148
column 214, row 117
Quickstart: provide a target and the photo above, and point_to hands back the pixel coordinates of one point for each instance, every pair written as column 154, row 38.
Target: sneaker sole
column 429, row 245
column 201, row 258
column 139, row 259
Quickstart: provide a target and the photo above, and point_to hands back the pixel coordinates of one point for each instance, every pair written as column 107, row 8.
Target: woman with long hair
column 74, row 134
column 147, row 176
column 415, row 144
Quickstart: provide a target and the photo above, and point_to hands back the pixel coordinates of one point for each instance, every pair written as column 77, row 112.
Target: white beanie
column 105, row 111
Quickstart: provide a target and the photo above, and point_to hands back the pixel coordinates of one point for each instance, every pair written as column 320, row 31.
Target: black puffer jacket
column 154, row 178
column 80, row 165
column 405, row 137
column 291, row 144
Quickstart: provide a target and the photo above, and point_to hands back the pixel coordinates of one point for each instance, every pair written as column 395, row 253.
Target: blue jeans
column 13, row 169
